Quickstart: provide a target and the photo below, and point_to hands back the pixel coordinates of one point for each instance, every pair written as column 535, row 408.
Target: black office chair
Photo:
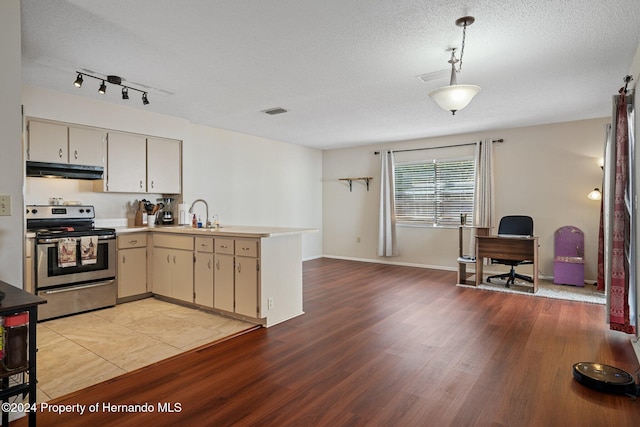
column 513, row 225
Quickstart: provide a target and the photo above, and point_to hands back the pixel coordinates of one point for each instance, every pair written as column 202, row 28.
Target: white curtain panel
column 484, row 204
column 387, row 245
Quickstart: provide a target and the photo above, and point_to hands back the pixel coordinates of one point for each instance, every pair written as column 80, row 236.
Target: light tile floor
column 78, row 351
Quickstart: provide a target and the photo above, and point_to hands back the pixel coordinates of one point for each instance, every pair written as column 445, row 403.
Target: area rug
column 547, row 289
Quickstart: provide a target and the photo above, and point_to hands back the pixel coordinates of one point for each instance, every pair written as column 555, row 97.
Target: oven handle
column 75, row 288
column 56, row 240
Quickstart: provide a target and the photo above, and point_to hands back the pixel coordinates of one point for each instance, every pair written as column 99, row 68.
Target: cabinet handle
column 245, row 249
column 151, row 184
column 217, row 264
column 238, row 267
column 174, row 259
column 75, row 154
column 168, row 258
column 124, row 259
column 133, row 242
column 60, row 152
column 209, row 264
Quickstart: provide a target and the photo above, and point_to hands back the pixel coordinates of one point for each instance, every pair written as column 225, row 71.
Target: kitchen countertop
column 224, row 231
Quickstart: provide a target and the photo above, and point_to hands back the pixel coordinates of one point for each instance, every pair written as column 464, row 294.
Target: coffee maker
column 166, row 215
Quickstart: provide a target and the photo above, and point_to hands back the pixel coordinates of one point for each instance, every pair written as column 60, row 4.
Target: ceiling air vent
column 274, row 111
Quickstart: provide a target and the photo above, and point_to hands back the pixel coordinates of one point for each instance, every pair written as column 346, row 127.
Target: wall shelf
column 366, row 179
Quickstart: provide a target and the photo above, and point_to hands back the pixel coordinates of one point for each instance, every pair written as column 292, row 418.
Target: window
column 434, row 191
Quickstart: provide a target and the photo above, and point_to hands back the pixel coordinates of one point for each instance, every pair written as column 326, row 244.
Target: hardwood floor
column 384, row 345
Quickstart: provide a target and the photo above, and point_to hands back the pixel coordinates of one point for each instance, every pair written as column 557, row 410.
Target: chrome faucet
column 206, row 206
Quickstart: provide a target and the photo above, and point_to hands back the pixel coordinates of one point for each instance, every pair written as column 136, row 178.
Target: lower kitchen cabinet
column 203, row 272
column 246, row 286
column 132, row 265
column 223, row 279
column 237, row 276
column 173, row 260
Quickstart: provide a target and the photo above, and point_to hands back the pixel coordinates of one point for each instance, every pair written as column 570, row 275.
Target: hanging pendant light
column 455, row 97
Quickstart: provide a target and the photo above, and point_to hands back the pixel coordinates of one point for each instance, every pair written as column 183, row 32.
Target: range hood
column 64, row 170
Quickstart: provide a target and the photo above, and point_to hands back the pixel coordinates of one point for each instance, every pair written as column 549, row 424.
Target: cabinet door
column 203, row 279
column 246, row 292
column 87, row 146
column 162, row 268
column 182, row 275
column 126, row 163
column 48, row 142
column 163, row 166
column 132, row 272
column 223, row 280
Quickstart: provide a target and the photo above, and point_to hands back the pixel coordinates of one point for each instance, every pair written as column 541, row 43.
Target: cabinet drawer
column 224, row 246
column 137, row 240
column 204, row 244
column 173, row 242
column 247, row 248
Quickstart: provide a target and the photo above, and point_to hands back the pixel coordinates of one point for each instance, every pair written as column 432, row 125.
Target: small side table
column 18, row 301
column 463, row 260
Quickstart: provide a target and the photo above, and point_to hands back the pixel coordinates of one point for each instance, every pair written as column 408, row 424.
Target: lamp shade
column 595, row 194
column 455, row 97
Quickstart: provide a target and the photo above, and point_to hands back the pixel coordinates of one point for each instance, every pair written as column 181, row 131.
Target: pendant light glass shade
column 595, row 194
column 454, row 97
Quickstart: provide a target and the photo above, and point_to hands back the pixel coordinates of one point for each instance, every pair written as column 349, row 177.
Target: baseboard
column 404, row 264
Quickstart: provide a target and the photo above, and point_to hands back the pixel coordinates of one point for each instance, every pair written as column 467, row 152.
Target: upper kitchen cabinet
column 59, row 143
column 163, row 166
column 87, row 146
column 48, row 142
column 126, row 163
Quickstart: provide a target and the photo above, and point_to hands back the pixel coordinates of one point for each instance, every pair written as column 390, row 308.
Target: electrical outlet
column 270, row 303
column 5, row 205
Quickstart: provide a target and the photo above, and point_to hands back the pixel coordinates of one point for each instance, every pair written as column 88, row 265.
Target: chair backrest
column 516, row 225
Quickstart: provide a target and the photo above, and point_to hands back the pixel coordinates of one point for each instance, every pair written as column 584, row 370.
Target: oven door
column 49, row 273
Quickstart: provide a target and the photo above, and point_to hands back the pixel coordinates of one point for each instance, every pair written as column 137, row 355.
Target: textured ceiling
column 345, row 69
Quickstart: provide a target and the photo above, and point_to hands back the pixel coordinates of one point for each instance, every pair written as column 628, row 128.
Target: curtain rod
column 441, row 146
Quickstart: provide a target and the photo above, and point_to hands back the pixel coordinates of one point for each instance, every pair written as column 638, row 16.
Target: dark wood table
column 515, row 248
column 18, row 301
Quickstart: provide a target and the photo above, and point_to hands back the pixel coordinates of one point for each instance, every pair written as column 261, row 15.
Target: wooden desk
column 515, row 248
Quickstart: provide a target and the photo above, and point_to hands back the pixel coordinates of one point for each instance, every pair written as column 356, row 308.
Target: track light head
column 145, row 101
column 78, row 82
column 125, row 93
column 103, row 88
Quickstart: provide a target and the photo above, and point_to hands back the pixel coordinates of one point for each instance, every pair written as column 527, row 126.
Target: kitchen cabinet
column 126, row 163
column 47, row 142
column 173, row 259
column 60, row 143
column 163, row 166
column 237, row 276
column 87, row 146
column 132, row 265
column 203, row 271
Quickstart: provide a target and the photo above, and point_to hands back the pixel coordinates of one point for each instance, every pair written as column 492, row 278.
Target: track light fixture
column 114, row 80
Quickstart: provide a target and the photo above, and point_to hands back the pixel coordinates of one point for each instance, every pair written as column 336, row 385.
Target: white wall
column 542, row 171
column 246, row 179
column 11, row 165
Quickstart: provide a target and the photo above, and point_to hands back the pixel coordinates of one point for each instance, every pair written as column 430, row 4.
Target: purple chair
column 568, row 264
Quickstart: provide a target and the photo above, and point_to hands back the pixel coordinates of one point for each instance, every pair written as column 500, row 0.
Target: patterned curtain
column 618, row 294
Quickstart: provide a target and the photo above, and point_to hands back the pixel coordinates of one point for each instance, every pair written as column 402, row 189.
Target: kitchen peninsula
column 254, row 273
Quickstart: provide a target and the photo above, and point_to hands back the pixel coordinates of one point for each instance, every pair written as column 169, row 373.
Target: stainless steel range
column 75, row 262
